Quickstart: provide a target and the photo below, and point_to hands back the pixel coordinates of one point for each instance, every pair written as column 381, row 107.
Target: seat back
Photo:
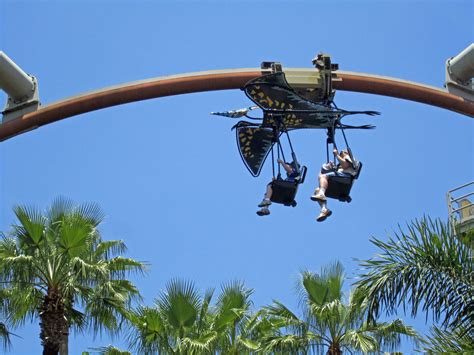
column 358, row 168
column 302, row 175
column 340, row 187
column 284, row 192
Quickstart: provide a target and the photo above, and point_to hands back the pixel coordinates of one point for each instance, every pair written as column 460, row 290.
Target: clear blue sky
column 168, row 175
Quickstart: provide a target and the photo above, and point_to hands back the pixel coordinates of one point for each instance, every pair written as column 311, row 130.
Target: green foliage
column 177, row 324
column 59, row 256
column 180, row 304
column 328, row 322
column 457, row 341
column 108, row 350
column 184, row 322
column 424, row 268
column 5, row 337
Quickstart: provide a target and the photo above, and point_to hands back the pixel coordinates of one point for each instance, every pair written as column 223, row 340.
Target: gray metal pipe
column 14, row 81
column 462, row 65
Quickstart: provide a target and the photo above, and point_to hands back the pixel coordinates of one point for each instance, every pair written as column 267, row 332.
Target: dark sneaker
column 265, row 203
column 263, row 212
column 323, row 215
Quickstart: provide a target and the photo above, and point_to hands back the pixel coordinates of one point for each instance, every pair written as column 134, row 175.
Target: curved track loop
column 221, row 80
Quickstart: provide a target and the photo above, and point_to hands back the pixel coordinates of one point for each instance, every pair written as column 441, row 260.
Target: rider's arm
column 285, row 166
column 339, row 158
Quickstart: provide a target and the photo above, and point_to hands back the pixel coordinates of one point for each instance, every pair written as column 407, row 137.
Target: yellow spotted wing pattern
column 254, row 143
column 274, row 96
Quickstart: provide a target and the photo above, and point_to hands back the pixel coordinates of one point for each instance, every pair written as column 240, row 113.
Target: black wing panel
column 300, row 120
column 272, row 92
column 275, row 97
column 254, row 144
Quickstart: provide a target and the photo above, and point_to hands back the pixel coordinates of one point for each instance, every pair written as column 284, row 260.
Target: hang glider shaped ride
column 285, row 109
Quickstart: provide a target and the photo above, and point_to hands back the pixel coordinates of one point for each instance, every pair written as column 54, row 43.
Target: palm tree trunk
column 334, row 349
column 53, row 322
column 49, row 349
column 64, row 347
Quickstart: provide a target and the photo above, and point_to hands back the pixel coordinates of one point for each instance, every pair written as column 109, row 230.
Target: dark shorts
column 287, row 179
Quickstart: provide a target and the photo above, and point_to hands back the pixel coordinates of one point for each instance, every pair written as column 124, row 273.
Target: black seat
column 340, row 187
column 284, row 191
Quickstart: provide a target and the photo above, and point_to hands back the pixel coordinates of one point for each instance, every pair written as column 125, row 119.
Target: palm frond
column 199, row 345
column 23, row 301
column 31, row 231
column 60, row 207
column 332, row 316
column 375, row 336
column 148, row 332
column 109, row 248
column 425, row 267
column 120, row 266
column 323, row 287
column 110, row 350
column 389, row 334
column 74, row 236
column 8, row 247
column 286, row 344
column 457, row 341
column 91, row 212
column 357, row 307
column 360, row 341
column 248, row 344
column 108, row 305
column 76, row 319
column 279, row 311
column 180, row 303
column 204, row 312
column 5, row 337
column 234, row 295
column 232, row 304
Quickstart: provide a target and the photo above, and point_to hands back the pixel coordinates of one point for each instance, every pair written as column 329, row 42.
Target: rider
column 292, row 173
column 345, row 169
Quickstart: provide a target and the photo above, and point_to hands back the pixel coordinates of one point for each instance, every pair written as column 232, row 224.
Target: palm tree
column 55, row 261
column 231, row 319
column 426, row 267
column 177, row 324
column 184, row 322
column 328, row 324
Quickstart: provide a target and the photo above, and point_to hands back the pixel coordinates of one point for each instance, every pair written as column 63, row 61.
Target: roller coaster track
column 226, row 80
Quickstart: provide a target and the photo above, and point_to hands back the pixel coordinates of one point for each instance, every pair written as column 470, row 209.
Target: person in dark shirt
column 291, row 174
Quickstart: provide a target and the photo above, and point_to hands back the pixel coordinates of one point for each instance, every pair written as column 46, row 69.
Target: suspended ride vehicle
column 286, row 109
column 339, row 187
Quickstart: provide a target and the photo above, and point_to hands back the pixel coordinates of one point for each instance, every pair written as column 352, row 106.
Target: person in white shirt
column 345, row 169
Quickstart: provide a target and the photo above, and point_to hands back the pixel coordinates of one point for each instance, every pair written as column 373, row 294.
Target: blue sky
column 168, row 175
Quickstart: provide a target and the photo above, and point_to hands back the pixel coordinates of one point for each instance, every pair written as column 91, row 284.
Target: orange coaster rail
column 223, row 80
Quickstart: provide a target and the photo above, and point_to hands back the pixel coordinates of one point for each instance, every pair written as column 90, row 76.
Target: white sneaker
column 318, row 197
column 323, row 215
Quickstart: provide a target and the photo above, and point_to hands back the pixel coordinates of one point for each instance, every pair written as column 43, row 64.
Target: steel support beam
column 21, row 88
column 225, row 80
